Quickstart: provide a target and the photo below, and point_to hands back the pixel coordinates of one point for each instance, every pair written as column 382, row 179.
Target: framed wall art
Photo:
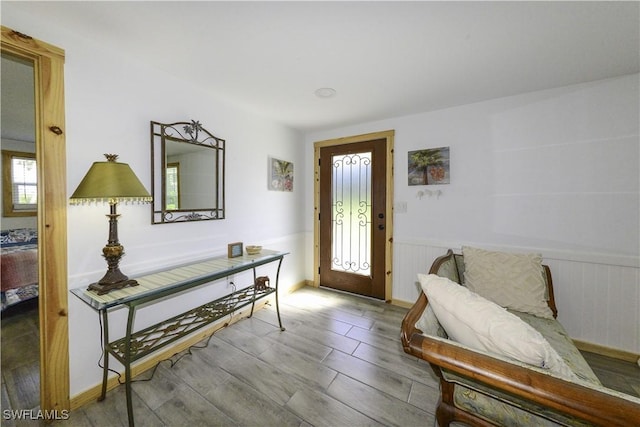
column 429, row 166
column 280, row 175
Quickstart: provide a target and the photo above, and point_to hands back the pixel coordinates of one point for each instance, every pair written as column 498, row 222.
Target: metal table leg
column 127, row 366
column 105, row 353
column 253, row 303
column 277, row 304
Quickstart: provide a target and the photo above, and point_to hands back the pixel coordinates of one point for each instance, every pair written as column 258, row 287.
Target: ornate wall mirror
column 187, row 173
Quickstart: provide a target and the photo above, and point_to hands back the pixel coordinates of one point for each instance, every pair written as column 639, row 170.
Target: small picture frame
column 234, row 250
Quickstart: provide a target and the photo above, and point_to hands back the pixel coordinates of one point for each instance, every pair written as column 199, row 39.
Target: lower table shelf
column 147, row 341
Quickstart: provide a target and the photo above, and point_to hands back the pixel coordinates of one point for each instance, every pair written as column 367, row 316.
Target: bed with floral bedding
column 500, row 354
column 19, row 264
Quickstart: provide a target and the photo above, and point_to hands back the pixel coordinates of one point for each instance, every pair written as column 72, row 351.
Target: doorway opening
column 353, row 208
column 48, row 93
column 20, row 332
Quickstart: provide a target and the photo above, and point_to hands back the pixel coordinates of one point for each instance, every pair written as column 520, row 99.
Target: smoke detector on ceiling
column 325, row 92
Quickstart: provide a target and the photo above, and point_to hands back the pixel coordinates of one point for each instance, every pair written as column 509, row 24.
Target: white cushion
column 481, row 324
column 514, row 281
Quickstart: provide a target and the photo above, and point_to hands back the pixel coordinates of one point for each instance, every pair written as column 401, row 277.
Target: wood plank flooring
column 618, row 375
column 20, row 360
column 339, row 363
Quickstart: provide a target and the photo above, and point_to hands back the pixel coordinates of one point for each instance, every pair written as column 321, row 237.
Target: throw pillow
column 514, row 281
column 481, row 324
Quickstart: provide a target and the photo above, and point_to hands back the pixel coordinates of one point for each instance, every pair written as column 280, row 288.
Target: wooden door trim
column 389, row 136
column 48, row 61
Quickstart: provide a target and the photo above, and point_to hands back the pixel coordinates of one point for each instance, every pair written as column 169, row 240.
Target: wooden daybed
column 523, row 394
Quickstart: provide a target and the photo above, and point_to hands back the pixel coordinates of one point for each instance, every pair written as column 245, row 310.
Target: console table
column 162, row 284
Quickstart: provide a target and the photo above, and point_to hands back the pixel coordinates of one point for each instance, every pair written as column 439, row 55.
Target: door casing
column 48, row 63
column 389, row 136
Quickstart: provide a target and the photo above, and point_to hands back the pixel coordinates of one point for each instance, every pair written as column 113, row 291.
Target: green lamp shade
column 110, row 182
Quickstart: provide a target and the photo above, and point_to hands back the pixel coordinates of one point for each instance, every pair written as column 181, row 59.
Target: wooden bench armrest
column 575, row 400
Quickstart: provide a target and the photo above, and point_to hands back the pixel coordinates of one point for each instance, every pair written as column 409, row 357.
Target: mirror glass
column 187, row 173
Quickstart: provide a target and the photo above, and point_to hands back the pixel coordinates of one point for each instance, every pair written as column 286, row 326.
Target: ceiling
column 384, row 59
column 17, row 100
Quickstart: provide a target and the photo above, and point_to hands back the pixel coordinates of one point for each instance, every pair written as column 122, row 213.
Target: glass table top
column 176, row 279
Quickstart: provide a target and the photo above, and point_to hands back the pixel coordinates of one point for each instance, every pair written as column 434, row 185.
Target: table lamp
column 113, row 183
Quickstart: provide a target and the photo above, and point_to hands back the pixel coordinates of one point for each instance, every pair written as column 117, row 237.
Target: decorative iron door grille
column 351, row 213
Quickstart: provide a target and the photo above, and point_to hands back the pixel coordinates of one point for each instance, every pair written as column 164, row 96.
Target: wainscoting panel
column 598, row 303
column 409, row 259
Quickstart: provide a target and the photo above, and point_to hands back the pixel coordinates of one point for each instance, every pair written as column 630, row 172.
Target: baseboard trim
column 93, row 393
column 300, row 285
column 602, row 350
column 401, row 303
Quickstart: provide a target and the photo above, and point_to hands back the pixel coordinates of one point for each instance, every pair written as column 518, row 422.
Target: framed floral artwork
column 429, row 166
column 280, row 175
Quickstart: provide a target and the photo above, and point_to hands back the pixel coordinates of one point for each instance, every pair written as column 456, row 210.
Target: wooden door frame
column 48, row 64
column 388, row 136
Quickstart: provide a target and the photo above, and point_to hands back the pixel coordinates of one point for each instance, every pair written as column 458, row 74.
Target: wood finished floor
column 339, row 363
column 339, row 359
column 20, row 361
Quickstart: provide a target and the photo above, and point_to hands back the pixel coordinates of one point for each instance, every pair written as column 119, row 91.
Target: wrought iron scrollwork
column 190, row 133
column 351, row 213
column 148, row 340
column 172, row 216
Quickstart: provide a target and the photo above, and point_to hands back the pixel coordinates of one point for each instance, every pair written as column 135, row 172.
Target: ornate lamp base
column 112, row 252
column 104, row 288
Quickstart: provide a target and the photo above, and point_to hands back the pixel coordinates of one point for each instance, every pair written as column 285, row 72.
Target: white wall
column 555, row 171
column 110, row 100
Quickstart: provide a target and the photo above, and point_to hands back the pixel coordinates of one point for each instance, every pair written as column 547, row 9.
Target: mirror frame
column 189, row 133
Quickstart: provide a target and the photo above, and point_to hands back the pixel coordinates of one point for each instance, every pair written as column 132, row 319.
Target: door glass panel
column 351, row 213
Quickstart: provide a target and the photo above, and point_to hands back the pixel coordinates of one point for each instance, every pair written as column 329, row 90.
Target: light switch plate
column 400, row 207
